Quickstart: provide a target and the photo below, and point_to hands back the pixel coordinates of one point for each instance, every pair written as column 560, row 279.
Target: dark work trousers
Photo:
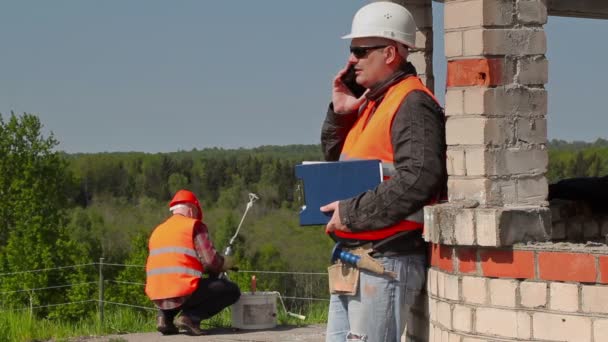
column 211, row 296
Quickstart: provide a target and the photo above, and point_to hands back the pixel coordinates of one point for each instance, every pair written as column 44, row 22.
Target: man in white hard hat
column 398, row 121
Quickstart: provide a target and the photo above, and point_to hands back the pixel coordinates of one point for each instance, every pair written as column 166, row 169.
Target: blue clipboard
column 325, row 182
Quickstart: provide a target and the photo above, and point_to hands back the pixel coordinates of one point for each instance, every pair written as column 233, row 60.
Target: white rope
column 283, row 272
column 47, row 269
column 125, row 282
column 50, row 287
column 50, row 305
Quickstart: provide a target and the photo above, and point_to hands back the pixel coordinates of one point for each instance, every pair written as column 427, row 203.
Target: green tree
column 33, row 185
column 177, row 181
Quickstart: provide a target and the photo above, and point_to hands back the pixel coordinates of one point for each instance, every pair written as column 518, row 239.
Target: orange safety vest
column 370, row 138
column 173, row 268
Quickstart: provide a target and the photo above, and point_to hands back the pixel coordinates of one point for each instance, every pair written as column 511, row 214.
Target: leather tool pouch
column 343, row 279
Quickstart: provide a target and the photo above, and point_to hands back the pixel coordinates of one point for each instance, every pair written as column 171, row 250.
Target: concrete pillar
column 422, row 55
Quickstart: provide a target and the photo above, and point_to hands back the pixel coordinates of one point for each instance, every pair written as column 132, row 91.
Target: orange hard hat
column 187, row 196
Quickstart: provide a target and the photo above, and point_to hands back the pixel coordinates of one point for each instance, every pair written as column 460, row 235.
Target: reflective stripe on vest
column 183, row 250
column 173, row 268
column 370, row 138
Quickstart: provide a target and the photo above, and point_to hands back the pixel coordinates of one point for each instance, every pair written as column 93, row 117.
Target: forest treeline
column 61, row 209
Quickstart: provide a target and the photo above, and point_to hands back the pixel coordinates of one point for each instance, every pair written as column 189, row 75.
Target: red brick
column 567, row 266
column 434, row 254
column 603, row 261
column 467, row 260
column 472, row 72
column 507, row 264
column 441, row 256
column 446, row 262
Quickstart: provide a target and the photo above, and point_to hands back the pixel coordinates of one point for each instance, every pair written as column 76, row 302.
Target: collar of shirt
column 377, row 91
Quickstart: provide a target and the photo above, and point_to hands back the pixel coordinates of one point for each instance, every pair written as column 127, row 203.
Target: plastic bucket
column 255, row 311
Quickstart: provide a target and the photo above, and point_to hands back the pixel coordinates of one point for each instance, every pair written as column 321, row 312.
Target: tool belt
column 344, row 276
column 343, row 279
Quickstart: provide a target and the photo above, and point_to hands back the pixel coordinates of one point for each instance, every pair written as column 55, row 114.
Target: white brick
column 517, row 101
column 445, row 336
column 459, row 14
column 481, row 42
column 479, row 189
column 454, row 337
column 476, row 161
column 476, row 131
column 487, row 227
column 595, row 298
column 455, row 162
column 453, row 44
column 474, row 290
column 441, row 284
column 600, row 329
column 500, row 322
column 464, row 228
column 505, row 162
column 557, row 327
column 533, row 294
column 432, row 282
column 454, row 102
column 502, row 292
column 462, row 318
column 444, row 314
column 563, row 297
column 451, row 286
column 432, row 310
column 524, row 325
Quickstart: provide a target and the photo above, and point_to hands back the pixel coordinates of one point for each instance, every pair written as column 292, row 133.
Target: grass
column 18, row 326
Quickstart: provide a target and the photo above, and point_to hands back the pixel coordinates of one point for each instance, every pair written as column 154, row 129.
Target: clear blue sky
column 160, row 76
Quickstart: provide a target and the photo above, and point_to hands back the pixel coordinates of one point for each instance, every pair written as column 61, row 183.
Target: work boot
column 165, row 327
column 185, row 323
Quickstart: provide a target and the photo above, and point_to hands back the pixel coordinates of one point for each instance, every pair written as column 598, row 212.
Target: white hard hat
column 386, row 20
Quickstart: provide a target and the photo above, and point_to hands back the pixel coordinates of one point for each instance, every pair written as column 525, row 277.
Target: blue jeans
column 380, row 310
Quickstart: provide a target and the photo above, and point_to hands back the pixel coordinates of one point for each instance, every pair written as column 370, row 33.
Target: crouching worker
column 180, row 252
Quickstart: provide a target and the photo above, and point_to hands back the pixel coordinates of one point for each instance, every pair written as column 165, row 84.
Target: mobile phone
column 349, row 80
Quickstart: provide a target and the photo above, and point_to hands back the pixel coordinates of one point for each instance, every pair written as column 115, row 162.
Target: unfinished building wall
column 495, row 274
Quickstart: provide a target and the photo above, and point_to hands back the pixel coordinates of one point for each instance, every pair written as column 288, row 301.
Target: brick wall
column 503, row 263
column 520, row 294
column 496, row 102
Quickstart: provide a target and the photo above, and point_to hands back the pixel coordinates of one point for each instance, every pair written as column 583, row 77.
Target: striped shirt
column 209, row 257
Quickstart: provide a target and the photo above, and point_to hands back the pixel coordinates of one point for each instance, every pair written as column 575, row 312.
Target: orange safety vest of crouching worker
column 173, row 268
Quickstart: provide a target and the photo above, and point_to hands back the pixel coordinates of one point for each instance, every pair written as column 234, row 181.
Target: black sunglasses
column 361, row 51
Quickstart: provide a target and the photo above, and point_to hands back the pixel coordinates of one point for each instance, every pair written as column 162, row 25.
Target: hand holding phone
column 349, row 80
